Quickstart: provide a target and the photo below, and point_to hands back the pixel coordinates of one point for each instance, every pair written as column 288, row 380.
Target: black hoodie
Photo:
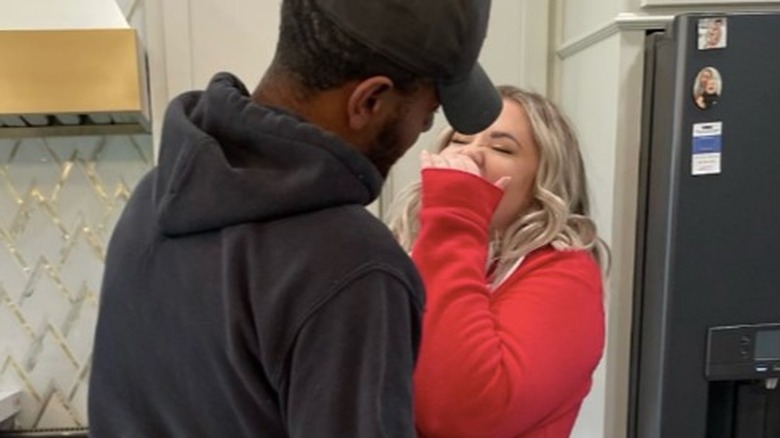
column 247, row 290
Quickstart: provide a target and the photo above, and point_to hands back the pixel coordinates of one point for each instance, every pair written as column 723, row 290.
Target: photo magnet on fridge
column 707, row 88
column 712, row 33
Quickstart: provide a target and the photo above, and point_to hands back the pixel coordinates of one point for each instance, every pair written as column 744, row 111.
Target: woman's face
column 704, row 77
column 714, row 33
column 711, row 87
column 506, row 148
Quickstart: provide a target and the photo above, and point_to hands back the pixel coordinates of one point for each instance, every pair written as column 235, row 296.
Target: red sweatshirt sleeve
column 505, row 363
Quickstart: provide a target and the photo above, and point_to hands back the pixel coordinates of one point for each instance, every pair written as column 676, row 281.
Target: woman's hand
column 456, row 161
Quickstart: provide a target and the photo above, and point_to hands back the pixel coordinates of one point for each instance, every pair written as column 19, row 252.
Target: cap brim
column 472, row 104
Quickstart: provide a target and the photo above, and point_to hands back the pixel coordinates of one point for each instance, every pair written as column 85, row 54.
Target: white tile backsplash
column 59, row 201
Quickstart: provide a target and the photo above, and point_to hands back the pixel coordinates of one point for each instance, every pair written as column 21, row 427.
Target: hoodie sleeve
column 505, row 364
column 351, row 365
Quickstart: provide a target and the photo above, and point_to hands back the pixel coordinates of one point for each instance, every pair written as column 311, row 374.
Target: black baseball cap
column 440, row 39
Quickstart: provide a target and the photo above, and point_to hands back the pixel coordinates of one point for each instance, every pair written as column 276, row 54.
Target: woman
column 705, row 75
column 514, row 321
column 706, row 89
column 709, row 95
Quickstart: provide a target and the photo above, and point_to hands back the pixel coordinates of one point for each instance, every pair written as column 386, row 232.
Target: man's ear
column 367, row 100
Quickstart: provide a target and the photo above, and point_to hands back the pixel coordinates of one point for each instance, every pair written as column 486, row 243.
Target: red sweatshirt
column 514, row 362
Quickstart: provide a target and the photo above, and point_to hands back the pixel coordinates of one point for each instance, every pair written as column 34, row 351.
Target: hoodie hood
column 225, row 160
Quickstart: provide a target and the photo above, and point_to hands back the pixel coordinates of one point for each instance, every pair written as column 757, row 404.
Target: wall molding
column 536, row 44
column 623, row 22
column 177, row 40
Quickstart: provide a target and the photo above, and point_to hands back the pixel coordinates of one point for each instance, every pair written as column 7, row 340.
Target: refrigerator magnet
column 706, row 148
column 707, row 88
column 712, row 33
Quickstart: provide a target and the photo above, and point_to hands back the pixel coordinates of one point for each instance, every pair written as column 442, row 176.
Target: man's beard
column 387, row 148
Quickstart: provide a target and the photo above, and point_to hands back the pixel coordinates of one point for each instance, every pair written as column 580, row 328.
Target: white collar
column 506, row 275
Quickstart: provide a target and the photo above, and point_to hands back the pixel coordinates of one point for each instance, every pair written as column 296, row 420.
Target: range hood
column 70, row 67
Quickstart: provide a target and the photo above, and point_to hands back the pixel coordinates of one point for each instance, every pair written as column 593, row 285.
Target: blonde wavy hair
column 560, row 211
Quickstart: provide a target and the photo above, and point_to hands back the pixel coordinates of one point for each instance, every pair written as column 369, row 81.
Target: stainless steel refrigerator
column 706, row 330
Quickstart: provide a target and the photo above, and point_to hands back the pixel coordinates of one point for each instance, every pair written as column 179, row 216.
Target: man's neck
column 326, row 109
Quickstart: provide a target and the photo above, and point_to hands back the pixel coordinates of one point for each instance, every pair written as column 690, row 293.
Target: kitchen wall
column 59, row 200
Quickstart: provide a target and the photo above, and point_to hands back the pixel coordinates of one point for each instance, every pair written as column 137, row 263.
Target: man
column 247, row 290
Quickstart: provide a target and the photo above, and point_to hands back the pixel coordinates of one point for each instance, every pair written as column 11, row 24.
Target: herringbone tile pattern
column 59, row 201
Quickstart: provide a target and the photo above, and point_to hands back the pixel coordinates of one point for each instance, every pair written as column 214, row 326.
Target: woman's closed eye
column 502, row 149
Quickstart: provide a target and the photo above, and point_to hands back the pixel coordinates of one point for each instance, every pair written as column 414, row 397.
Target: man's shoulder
column 325, row 246
column 348, row 229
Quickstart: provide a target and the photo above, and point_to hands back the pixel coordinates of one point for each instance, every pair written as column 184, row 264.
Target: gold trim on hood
column 66, row 82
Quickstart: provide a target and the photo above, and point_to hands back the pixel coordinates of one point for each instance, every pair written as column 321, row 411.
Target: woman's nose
column 473, row 151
